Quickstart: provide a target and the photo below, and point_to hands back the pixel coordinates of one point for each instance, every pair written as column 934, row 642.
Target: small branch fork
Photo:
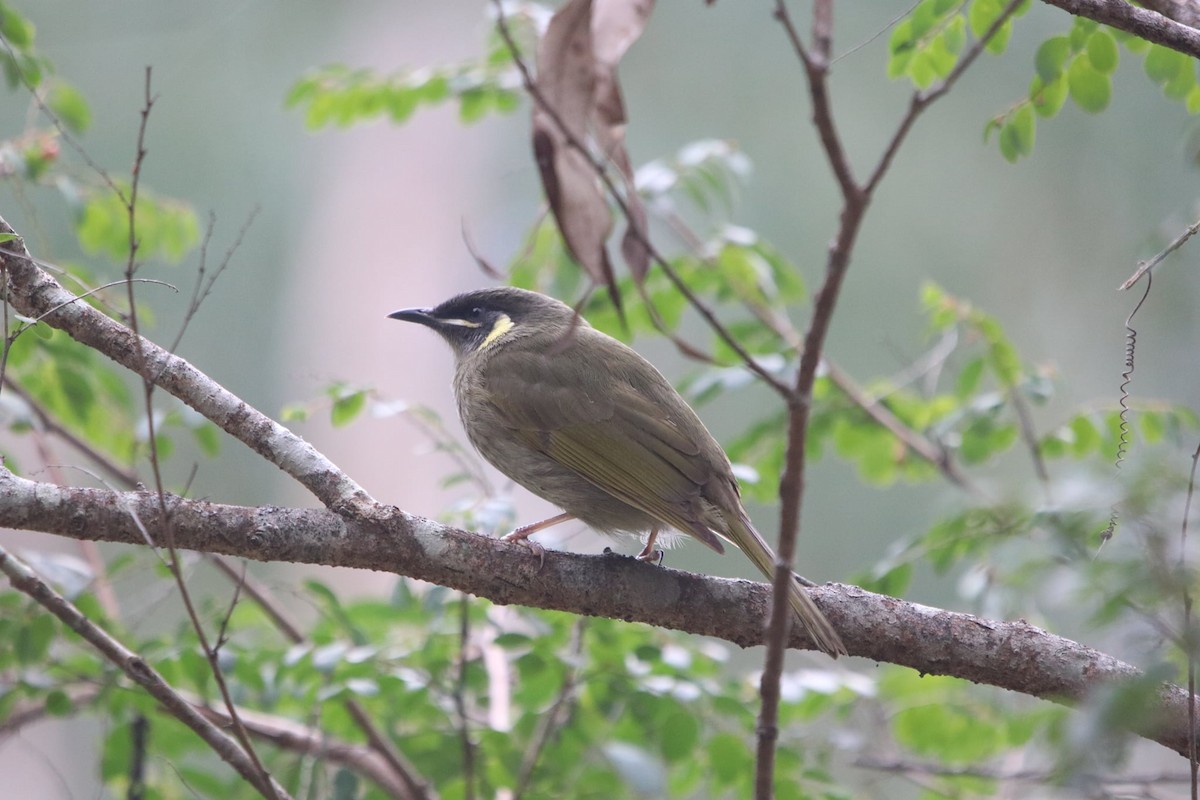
column 856, row 199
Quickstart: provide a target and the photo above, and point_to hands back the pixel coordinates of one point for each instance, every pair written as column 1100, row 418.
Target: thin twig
column 415, row 786
column 1030, row 437
column 460, row 696
column 1146, row 266
column 816, row 67
column 1189, row 638
column 148, row 385
column 555, row 717
column 57, row 123
column 203, row 288
column 856, row 200
column 925, row 448
column 922, row 100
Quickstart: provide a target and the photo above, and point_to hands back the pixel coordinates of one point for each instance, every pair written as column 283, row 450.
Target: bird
column 585, row 422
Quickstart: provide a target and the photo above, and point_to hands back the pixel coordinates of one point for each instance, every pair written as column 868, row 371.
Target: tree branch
column 1149, row 25
column 34, row 293
column 1009, row 655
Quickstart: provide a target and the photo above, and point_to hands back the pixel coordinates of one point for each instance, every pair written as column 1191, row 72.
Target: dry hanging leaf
column 580, row 94
column 617, row 24
column 566, row 83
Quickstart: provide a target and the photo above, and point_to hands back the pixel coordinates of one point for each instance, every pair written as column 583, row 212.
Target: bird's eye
column 475, row 313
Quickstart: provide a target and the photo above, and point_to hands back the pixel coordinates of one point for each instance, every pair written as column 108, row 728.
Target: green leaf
column 1179, row 87
column 1163, row 64
column 347, row 407
column 293, row 412
column 1009, row 143
column 1025, row 125
column 948, row 732
column 16, row 29
column 1102, row 51
column 956, row 34
column 1085, row 436
column 680, row 733
column 1090, row 89
column 208, row 436
column 1051, row 57
column 982, row 14
column 922, row 70
column 1048, row 98
column 1080, row 31
column 69, row 105
column 33, row 639
column 968, row 378
column 894, row 581
column 1153, row 426
column 729, row 758
column 473, row 105
column 58, row 703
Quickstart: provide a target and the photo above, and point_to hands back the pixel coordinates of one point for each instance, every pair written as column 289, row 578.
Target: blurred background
column 356, row 223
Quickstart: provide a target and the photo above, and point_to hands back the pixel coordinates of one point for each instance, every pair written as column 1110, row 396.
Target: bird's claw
column 653, row 556
column 535, row 548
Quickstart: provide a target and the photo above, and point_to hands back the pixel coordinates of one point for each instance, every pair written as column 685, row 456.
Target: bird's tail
column 743, row 535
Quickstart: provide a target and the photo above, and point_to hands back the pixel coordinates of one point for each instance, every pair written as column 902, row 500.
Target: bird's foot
column 649, row 553
column 521, row 536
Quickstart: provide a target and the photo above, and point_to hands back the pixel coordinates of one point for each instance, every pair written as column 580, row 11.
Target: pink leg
column 523, row 533
column 648, row 552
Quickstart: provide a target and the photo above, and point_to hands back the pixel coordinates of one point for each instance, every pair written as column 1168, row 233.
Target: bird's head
column 477, row 321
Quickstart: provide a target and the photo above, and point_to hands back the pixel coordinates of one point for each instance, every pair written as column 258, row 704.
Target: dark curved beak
column 419, row 315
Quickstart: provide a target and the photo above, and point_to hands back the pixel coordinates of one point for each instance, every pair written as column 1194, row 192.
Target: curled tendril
column 1126, row 379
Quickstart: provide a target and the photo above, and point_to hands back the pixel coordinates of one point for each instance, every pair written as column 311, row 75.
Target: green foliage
column 1080, row 65
column 707, row 172
column 165, row 229
column 630, row 707
column 564, row 707
column 927, row 44
column 69, row 105
column 341, row 96
column 22, row 65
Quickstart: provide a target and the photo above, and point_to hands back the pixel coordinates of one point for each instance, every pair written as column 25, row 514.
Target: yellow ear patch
column 503, row 325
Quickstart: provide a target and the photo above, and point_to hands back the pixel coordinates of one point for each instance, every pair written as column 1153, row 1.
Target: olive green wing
column 625, row 430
